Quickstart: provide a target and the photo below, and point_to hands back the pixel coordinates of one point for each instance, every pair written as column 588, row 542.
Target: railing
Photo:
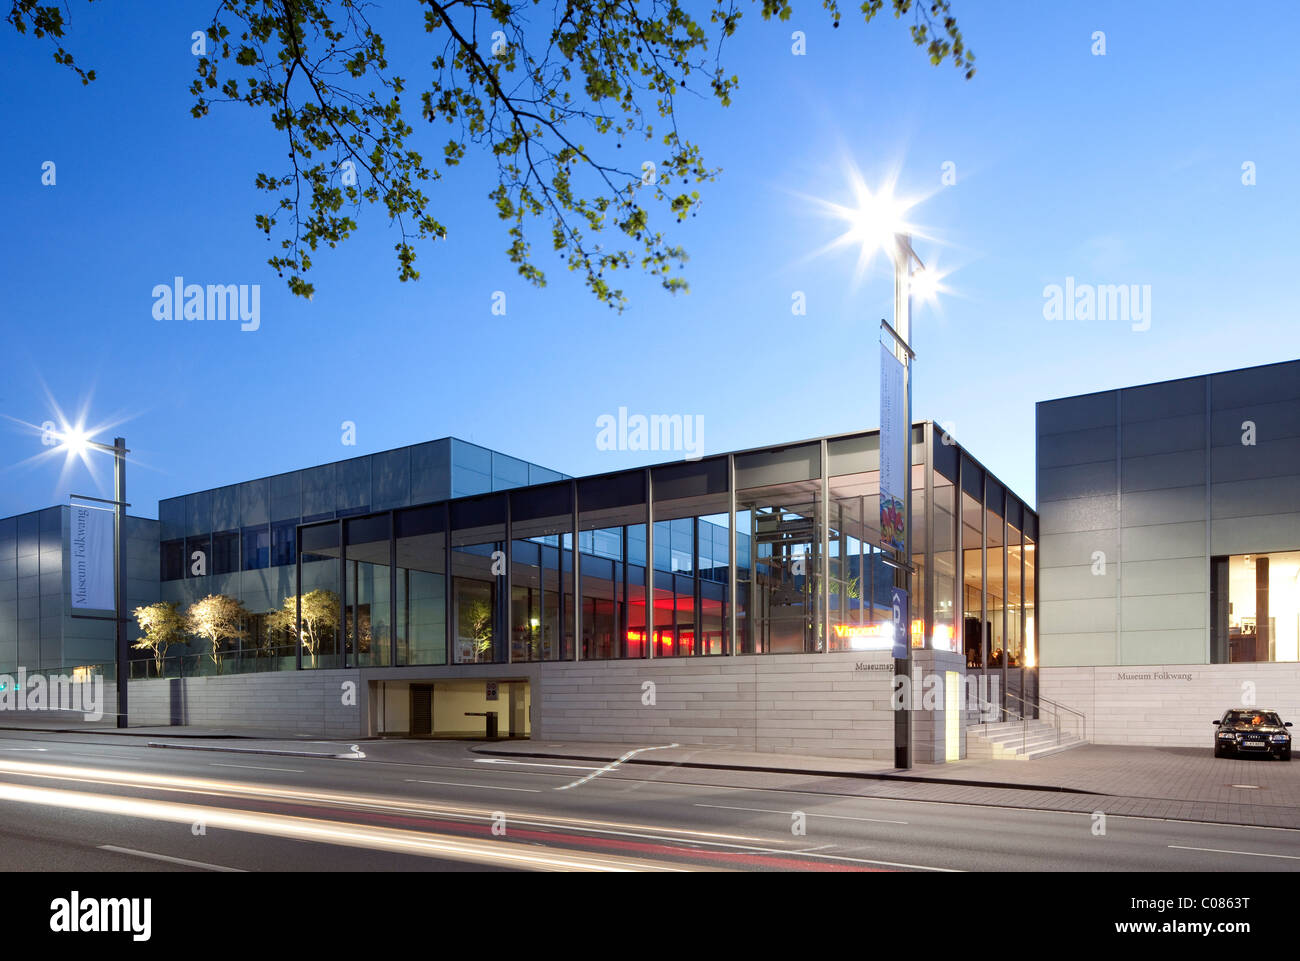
column 1041, row 704
column 202, row 664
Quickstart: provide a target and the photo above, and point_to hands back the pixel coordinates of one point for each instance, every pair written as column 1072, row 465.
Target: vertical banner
column 898, row 601
column 91, row 550
column 893, row 443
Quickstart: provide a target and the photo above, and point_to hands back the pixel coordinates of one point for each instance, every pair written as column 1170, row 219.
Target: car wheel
column 1285, row 755
column 1218, row 751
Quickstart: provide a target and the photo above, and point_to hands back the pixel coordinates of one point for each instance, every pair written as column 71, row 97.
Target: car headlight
column 1279, row 738
column 1227, row 735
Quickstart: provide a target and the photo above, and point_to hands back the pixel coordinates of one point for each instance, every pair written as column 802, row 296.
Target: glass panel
column 972, row 575
column 172, row 555
column 782, row 577
column 320, row 596
column 1263, row 609
column 856, row 624
column 690, row 499
column 198, row 556
column 282, row 541
column 478, row 563
column 996, row 591
column 368, row 614
column 945, row 636
column 225, row 552
column 1030, row 641
column 611, row 525
column 257, row 547
column 421, row 585
column 1014, row 602
column 538, row 608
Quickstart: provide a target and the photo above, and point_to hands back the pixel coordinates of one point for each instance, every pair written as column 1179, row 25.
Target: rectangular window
column 225, row 552
column 172, row 554
column 1256, row 607
column 257, row 547
column 198, row 556
column 282, row 543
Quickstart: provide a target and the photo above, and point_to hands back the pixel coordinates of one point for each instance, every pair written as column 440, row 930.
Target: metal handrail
column 1055, row 709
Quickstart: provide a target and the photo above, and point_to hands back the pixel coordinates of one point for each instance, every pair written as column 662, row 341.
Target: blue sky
column 1116, row 169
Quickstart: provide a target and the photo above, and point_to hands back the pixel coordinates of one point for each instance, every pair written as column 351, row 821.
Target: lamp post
column 77, row 442
column 903, row 256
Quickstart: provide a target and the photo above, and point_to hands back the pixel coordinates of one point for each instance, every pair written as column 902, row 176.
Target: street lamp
column 76, row 441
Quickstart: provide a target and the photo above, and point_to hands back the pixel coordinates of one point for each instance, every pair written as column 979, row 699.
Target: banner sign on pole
column 901, row 626
column 91, row 549
column 893, row 443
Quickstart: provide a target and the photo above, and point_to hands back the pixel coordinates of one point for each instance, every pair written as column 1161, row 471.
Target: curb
column 354, row 754
column 766, row 769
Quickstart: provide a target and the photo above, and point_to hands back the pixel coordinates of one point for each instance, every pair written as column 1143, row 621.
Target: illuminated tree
column 218, row 618
column 320, row 615
column 163, row 625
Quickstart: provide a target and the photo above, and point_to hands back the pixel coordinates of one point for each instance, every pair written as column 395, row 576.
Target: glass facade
column 1255, row 607
column 772, row 551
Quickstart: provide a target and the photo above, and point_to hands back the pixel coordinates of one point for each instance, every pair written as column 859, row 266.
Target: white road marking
column 24, row 748
column 499, row 760
column 167, row 857
column 257, row 767
column 811, row 814
column 613, row 765
column 1253, row 854
column 488, row 787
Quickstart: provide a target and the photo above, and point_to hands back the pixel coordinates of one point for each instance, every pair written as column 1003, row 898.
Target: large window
column 478, row 566
column 541, row 582
column 421, row 614
column 368, row 610
column 1255, row 601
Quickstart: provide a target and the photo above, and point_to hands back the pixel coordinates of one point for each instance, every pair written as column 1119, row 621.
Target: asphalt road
column 85, row 802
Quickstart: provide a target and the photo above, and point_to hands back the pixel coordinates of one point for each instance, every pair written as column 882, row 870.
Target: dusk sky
column 1123, row 169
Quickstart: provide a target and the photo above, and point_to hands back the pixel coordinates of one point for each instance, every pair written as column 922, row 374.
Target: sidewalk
column 1170, row 783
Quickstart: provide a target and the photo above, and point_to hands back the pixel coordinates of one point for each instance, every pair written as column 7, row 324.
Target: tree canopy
column 551, row 91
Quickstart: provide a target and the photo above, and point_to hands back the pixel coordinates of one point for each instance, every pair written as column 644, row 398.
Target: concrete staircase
column 1017, row 741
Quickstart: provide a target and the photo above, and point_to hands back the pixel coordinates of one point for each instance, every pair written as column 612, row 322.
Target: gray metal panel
column 1078, row 514
column 1256, row 385
column 319, row 490
column 1076, row 480
column 1169, row 505
column 542, row 475
column 198, row 513
column 1076, row 447
column 1073, row 649
column 1156, row 471
column 1162, row 401
column 171, row 517
column 286, row 496
column 391, row 472
column 1084, row 616
column 1164, row 435
column 354, row 483
column 254, row 504
column 508, row 472
column 1178, row 646
column 1272, row 422
column 431, row 472
column 1076, row 583
column 790, row 464
column 1156, row 612
column 1076, row 413
column 1255, row 535
column 1250, row 498
column 1181, row 575
column 1160, row 541
column 225, row 508
column 1275, row 459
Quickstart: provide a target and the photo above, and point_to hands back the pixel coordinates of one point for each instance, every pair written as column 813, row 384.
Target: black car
column 1242, row 732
